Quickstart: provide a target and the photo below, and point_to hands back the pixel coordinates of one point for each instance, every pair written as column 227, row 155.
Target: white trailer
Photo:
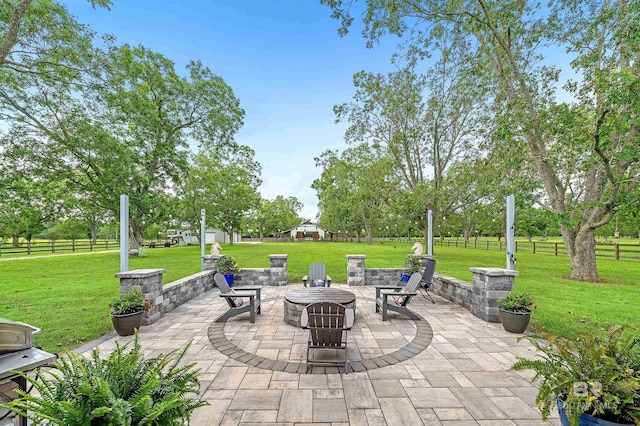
column 183, row 236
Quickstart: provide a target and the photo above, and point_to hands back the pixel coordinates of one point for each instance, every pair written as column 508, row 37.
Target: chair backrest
column 223, row 285
column 429, row 270
column 326, row 323
column 317, row 271
column 411, row 287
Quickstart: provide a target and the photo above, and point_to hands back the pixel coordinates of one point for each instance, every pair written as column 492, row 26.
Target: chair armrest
column 249, row 287
column 305, row 279
column 386, row 287
column 239, row 294
column 329, row 279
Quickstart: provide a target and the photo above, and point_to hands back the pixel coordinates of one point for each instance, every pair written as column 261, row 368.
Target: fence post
column 53, row 246
column 90, row 245
column 516, row 250
column 534, row 247
column 73, row 244
column 465, row 243
column 28, row 247
column 106, row 244
column 500, row 245
column 487, row 245
column 617, row 248
column 556, row 248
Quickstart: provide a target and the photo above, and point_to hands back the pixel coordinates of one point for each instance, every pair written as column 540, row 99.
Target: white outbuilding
column 309, row 231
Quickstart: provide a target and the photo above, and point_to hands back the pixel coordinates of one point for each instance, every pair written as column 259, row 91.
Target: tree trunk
column 369, row 235
column 15, row 241
column 135, row 235
column 231, row 236
column 581, row 248
column 94, row 231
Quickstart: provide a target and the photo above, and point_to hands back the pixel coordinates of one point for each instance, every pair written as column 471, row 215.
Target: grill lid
column 15, row 335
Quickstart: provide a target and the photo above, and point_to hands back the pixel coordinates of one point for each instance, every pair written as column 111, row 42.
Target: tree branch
column 11, row 36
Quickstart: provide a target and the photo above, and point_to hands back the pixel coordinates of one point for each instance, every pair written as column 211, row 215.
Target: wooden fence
column 613, row 251
column 39, row 247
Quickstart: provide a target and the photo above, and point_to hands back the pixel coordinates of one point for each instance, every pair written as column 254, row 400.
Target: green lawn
column 69, row 296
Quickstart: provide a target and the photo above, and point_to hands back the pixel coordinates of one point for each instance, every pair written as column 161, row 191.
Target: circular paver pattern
column 422, row 339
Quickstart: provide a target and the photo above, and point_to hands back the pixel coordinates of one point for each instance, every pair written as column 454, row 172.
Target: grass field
column 69, row 296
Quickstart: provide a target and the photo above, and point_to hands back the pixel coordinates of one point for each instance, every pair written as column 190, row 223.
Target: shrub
column 522, row 302
column 590, row 374
column 123, row 389
column 227, row 265
column 130, row 303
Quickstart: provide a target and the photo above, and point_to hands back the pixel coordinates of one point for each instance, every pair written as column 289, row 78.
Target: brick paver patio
column 451, row 369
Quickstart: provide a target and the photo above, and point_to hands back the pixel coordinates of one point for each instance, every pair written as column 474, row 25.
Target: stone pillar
column 355, row 269
column 489, row 285
column 149, row 283
column 209, row 262
column 279, row 270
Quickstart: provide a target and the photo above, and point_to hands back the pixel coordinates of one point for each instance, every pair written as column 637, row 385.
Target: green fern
column 122, row 389
column 608, row 367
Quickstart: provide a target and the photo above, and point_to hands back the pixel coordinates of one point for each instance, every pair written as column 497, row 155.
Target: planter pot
column 404, row 277
column 229, row 278
column 126, row 324
column 584, row 419
column 514, row 322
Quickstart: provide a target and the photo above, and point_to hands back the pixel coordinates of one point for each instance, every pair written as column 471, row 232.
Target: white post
column 203, row 235
column 430, row 233
column 510, row 233
column 124, row 233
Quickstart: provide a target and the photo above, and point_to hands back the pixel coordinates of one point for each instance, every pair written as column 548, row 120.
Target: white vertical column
column 510, row 233
column 124, row 233
column 430, row 233
column 203, row 234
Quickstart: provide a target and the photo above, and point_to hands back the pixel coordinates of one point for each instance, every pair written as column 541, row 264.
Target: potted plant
column 515, row 311
column 122, row 388
column 127, row 311
column 412, row 263
column 227, row 266
column 593, row 380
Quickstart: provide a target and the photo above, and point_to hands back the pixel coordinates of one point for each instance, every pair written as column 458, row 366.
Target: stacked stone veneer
column 454, row 290
column 489, row 285
column 166, row 298
column 480, row 296
column 383, row 276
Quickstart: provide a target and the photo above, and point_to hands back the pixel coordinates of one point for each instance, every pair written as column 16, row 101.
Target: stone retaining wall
column 166, row 298
column 454, row 290
column 180, row 291
column 480, row 296
column 252, row 276
column 382, row 276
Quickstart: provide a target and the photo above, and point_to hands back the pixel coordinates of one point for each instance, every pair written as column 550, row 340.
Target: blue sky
column 283, row 59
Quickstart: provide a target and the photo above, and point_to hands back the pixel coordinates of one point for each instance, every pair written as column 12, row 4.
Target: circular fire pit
column 295, row 301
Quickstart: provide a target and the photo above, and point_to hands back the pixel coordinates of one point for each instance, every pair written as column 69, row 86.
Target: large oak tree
column 585, row 151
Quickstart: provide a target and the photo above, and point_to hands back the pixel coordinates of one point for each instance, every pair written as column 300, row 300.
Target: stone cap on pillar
column 356, row 256
column 495, row 272
column 140, row 273
column 275, row 256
